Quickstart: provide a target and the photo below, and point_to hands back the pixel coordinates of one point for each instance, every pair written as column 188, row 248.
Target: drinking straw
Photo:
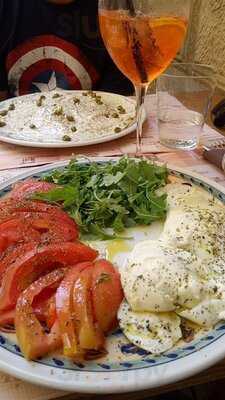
column 136, row 44
column 131, row 8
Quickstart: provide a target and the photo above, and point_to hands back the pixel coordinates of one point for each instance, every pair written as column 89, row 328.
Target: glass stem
column 141, row 91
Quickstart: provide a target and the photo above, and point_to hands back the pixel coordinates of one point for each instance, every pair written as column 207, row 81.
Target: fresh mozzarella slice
column 155, row 333
column 186, row 195
column 206, row 314
column 214, row 273
column 158, row 278
column 200, row 231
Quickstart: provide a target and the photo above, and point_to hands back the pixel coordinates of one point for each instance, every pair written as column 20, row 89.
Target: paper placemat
column 17, row 156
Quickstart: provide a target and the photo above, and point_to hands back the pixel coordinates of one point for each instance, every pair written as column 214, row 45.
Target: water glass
column 184, row 94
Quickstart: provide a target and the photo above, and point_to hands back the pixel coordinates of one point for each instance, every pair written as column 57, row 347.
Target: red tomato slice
column 53, row 230
column 7, row 318
column 4, row 244
column 45, row 311
column 26, row 263
column 64, row 309
column 51, row 315
column 90, row 337
column 107, row 294
column 38, row 227
column 43, row 306
column 17, row 230
column 33, row 340
column 10, row 208
column 13, row 253
column 22, row 190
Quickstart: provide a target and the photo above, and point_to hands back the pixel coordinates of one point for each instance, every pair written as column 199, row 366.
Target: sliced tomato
column 33, row 340
column 45, row 311
column 26, row 263
column 51, row 314
column 12, row 254
column 90, row 336
column 17, row 230
column 4, row 244
column 43, row 306
column 35, row 227
column 7, row 318
column 39, row 228
column 10, row 208
column 64, row 309
column 53, row 230
column 107, row 294
column 22, row 190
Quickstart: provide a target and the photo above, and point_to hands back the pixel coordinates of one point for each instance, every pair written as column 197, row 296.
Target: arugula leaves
column 113, row 195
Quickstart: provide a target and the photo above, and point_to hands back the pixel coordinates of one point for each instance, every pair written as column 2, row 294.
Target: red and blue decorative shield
column 47, row 62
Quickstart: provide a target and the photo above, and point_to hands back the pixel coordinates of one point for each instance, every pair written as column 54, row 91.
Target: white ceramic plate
column 15, row 138
column 126, row 368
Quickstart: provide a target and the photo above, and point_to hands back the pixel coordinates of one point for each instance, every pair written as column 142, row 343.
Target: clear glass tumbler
column 184, row 96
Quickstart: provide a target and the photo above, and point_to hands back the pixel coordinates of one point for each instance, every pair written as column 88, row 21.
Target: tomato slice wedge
column 10, row 208
column 64, row 309
column 17, row 230
column 44, row 305
column 53, row 230
column 81, row 335
column 28, row 262
column 33, row 340
column 90, row 336
column 46, row 311
column 50, row 313
column 107, row 294
column 35, row 227
column 22, row 190
column 7, row 318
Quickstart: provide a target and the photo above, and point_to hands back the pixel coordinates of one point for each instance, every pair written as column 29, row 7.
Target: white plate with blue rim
column 126, row 367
